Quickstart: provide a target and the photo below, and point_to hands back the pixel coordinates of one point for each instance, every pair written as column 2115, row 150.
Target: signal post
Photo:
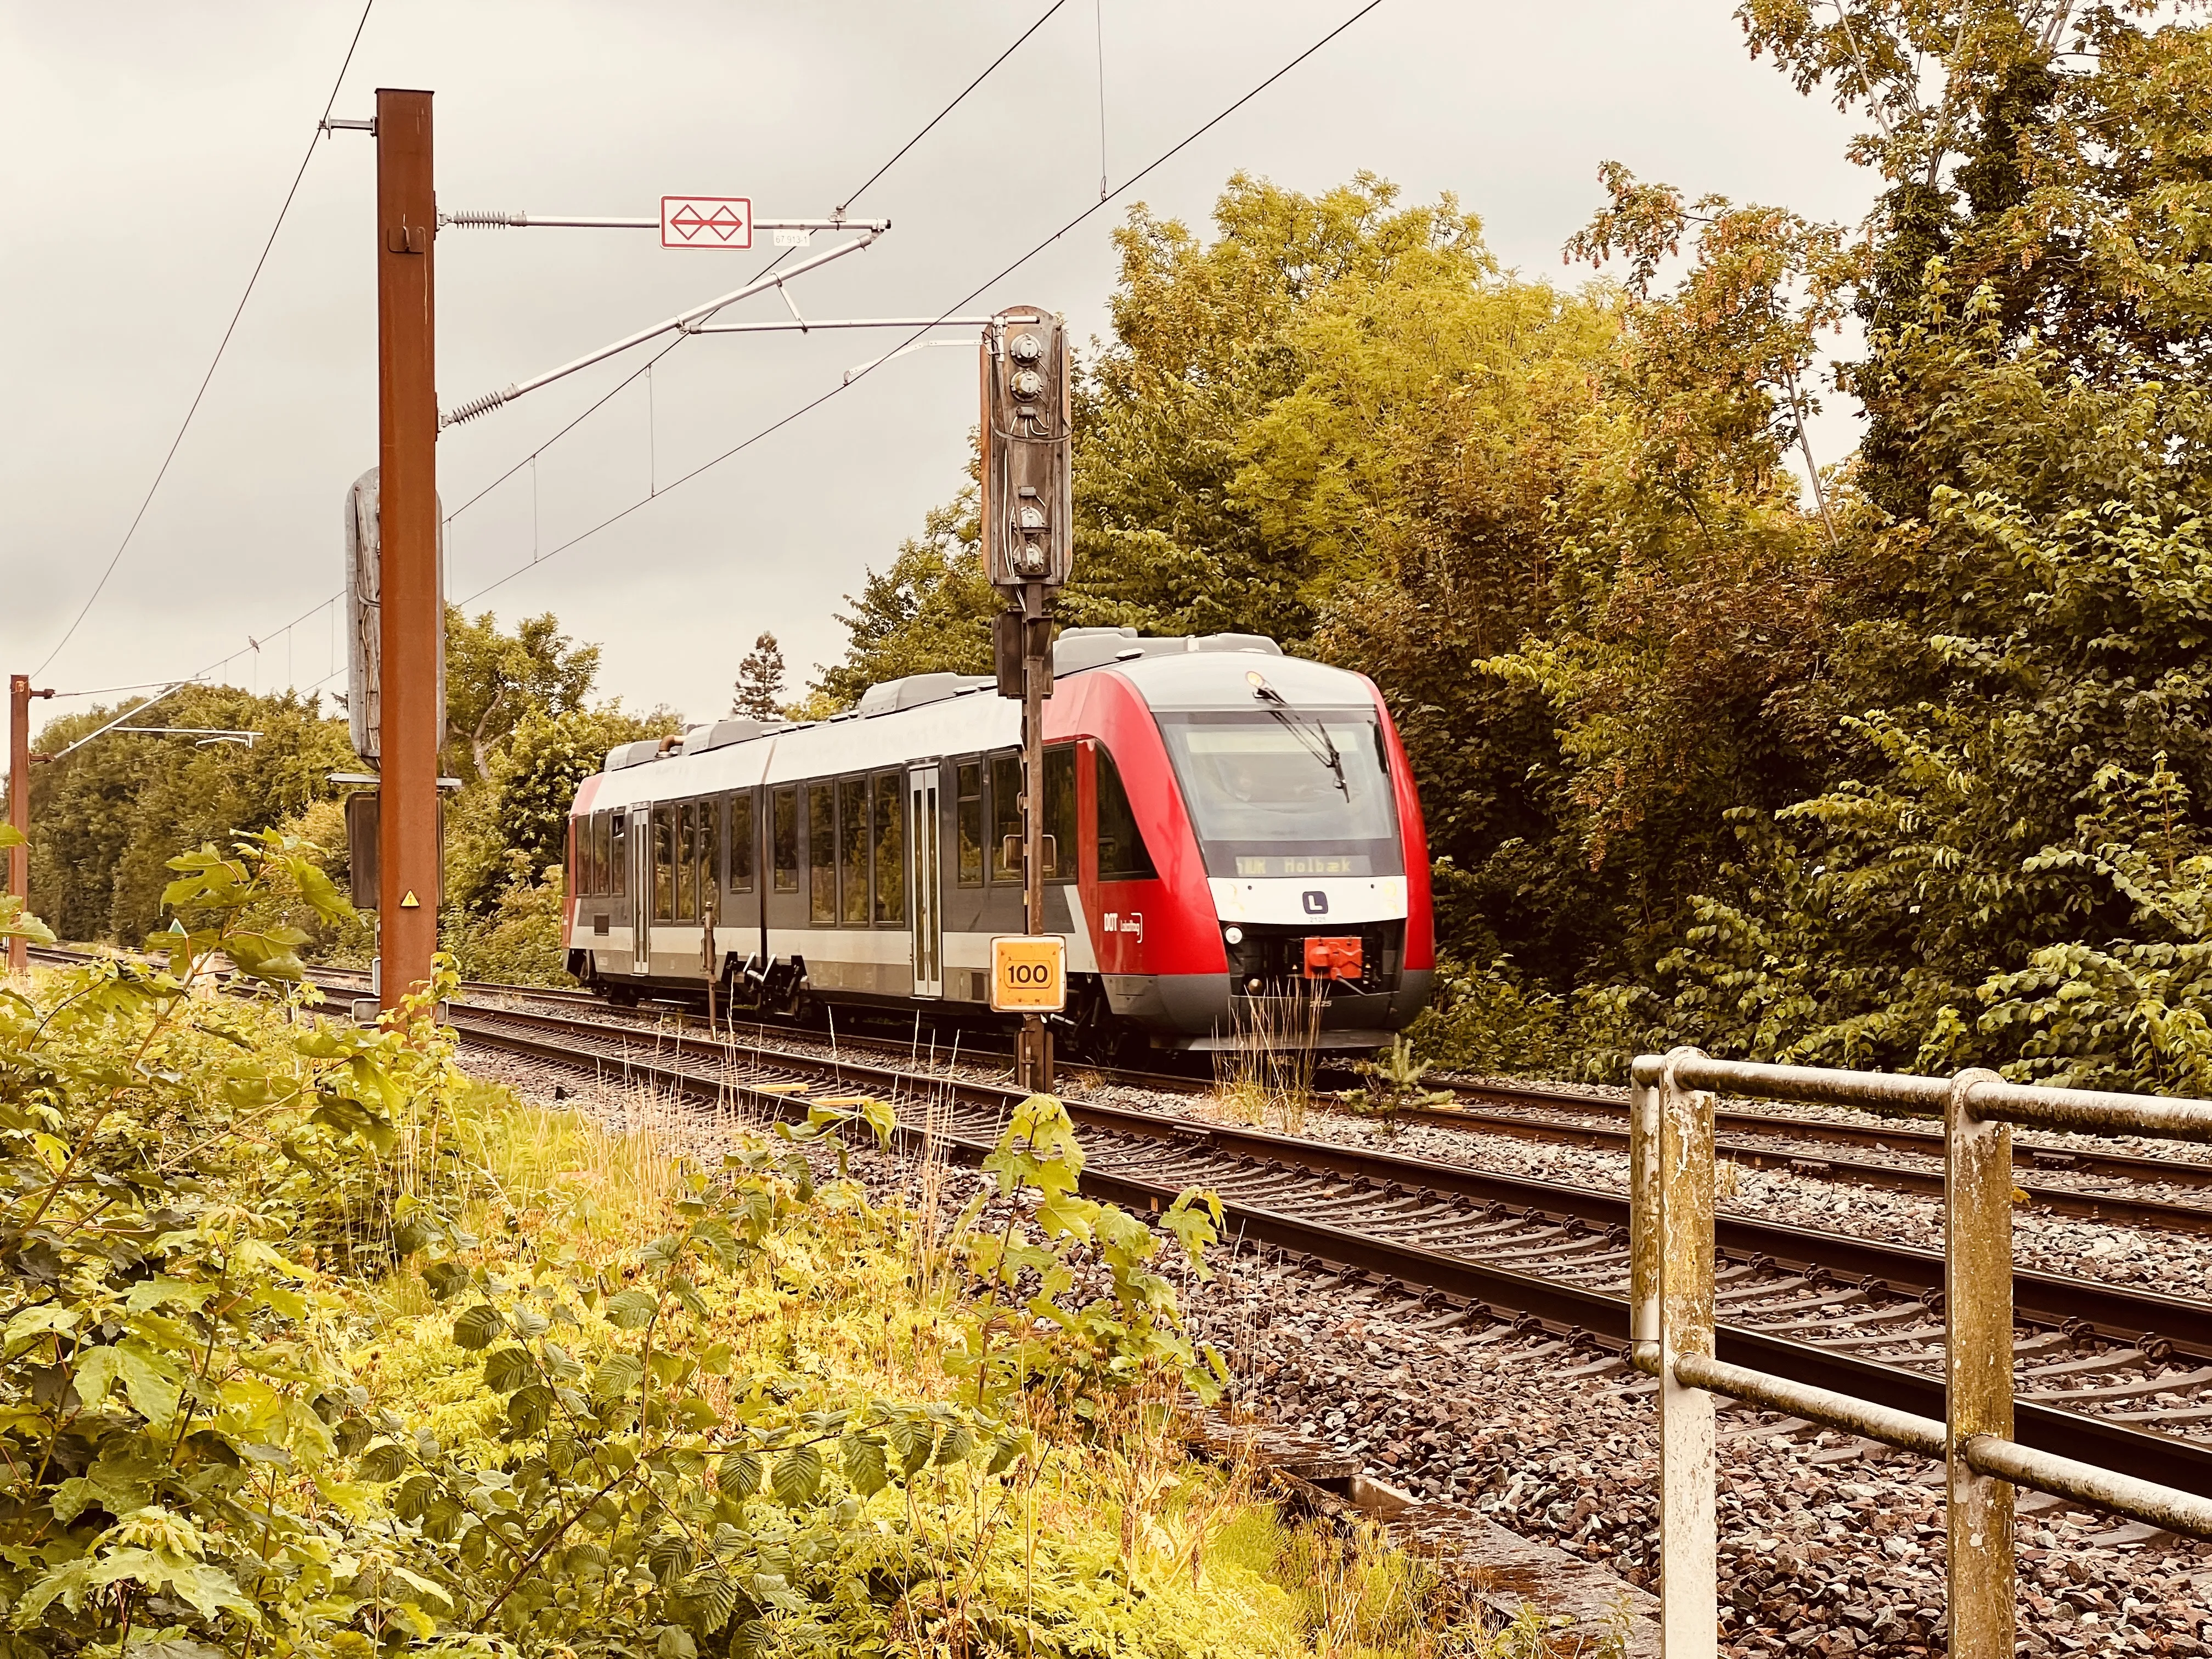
column 410, row 622
column 1028, row 541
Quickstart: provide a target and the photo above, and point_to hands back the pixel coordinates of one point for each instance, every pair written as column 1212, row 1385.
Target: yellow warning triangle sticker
column 410, row 903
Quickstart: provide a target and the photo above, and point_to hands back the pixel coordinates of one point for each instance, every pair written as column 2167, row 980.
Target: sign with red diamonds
column 705, row 221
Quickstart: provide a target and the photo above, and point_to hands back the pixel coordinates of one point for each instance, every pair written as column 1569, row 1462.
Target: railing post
column 1977, row 1313
column 1644, row 1227
column 1689, row 1618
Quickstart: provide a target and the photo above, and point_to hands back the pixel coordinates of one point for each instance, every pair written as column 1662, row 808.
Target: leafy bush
column 231, row 1426
column 521, row 941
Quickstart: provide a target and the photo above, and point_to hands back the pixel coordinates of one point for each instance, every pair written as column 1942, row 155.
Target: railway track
column 1909, row 1159
column 1756, row 1139
column 2109, row 1375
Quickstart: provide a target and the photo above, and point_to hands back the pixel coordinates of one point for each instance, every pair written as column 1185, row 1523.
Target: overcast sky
column 147, row 146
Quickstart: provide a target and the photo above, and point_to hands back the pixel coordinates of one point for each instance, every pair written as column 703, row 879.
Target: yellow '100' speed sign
column 1029, row 973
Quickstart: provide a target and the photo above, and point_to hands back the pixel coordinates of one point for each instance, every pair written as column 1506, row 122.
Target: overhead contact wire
column 841, row 210
column 807, row 408
column 137, row 518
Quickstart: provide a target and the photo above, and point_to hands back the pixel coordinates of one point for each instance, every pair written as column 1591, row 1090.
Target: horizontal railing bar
column 2084, row 1113
column 1815, row 1085
column 2080, row 1110
column 2006, row 1460
column 1906, row 1431
column 2085, row 1483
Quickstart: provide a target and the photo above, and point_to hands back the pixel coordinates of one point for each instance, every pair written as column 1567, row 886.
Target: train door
column 927, row 870
column 640, row 889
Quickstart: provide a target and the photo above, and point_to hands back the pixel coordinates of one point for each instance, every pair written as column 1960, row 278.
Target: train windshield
column 1296, row 792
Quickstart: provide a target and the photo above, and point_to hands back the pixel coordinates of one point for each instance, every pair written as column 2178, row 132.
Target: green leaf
column 506, row 1369
column 797, row 1476
column 862, row 1458
column 959, row 1441
column 445, row 1278
column 739, row 1475
column 528, row 1410
column 478, row 1327
column 151, row 1381
column 911, row 1440
column 616, row 1375
column 632, row 1310
column 669, row 1558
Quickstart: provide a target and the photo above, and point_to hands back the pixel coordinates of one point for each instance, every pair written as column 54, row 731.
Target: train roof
column 927, row 715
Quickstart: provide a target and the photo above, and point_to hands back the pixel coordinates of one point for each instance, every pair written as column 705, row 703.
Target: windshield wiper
column 1296, row 724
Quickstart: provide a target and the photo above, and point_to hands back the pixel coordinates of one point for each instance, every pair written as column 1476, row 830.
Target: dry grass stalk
column 1269, row 1066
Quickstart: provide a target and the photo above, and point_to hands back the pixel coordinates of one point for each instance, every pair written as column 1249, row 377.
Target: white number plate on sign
column 705, row 221
column 1029, row 973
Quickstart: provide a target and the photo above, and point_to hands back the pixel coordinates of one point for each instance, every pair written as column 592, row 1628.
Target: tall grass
column 1269, row 1068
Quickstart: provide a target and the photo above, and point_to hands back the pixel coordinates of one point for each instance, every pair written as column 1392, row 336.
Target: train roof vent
column 631, row 754
column 722, row 733
column 914, row 690
column 1259, row 643
column 1078, row 648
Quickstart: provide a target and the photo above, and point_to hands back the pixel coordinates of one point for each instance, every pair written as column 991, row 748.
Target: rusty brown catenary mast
column 410, row 611
column 19, row 803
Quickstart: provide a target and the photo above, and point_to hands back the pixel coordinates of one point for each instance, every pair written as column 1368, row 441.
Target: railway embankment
column 1535, row 1424
column 532, row 1371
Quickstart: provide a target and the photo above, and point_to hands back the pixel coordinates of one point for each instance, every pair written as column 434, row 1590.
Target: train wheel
column 623, row 996
column 1097, row 1035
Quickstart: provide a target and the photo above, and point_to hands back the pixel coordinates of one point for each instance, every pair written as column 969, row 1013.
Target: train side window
column 741, row 842
column 1005, row 818
column 710, row 855
column 852, row 850
column 783, row 824
column 663, row 864
column 602, row 865
column 1121, row 852
column 969, row 813
column 822, row 854
column 579, row 878
column 1060, row 812
column 618, row 855
column 890, row 847
column 687, row 861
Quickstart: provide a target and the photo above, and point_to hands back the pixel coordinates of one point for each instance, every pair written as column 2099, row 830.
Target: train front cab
column 1277, row 851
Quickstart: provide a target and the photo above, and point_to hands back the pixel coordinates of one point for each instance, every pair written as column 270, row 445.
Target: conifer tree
column 758, row 693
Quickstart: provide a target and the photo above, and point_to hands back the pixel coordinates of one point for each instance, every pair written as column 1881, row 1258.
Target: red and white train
column 1224, row 823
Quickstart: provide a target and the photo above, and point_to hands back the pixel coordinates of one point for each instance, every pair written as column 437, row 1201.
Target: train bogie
column 1229, row 832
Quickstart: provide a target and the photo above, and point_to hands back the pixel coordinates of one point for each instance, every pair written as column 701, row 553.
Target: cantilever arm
column 684, row 320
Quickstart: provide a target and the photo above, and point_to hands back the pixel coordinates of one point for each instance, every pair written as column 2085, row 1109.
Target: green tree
column 106, row 820
column 758, row 693
column 493, row 679
column 511, row 825
column 929, row 613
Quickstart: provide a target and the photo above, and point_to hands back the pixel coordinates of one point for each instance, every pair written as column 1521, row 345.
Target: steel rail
column 2051, row 1299
column 2109, row 1444
column 2086, row 1160
column 2059, row 1200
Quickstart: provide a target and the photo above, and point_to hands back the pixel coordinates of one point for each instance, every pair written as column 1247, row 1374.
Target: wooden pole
column 411, row 612
column 1978, row 1371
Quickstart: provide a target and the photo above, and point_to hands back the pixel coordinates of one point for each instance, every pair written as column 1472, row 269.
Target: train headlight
column 1234, row 935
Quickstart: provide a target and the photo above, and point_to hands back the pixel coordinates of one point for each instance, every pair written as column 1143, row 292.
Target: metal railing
column 1672, row 1325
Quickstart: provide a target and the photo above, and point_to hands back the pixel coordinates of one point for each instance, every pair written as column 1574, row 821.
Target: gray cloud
column 148, row 150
